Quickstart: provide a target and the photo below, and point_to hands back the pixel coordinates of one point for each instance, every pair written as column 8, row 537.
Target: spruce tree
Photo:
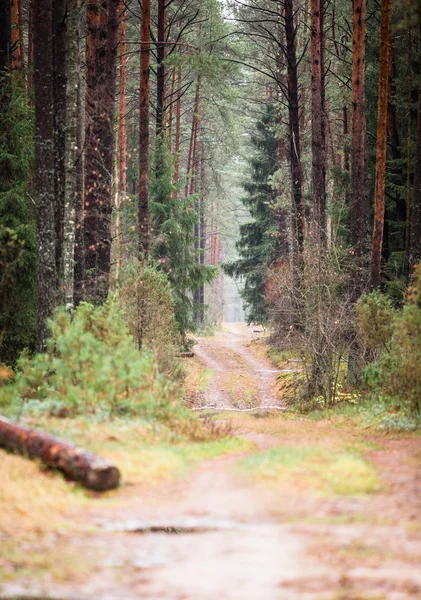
column 257, row 245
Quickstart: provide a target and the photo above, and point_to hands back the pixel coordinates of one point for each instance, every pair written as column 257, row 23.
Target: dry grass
column 241, row 388
column 40, row 510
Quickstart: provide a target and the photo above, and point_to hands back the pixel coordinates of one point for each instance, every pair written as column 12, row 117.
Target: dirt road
column 234, row 530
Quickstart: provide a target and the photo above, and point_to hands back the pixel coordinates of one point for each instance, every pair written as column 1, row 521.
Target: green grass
column 342, row 472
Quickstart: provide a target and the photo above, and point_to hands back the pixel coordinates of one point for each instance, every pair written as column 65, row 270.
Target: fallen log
column 87, row 468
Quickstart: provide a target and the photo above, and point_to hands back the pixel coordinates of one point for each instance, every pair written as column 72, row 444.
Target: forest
column 210, row 245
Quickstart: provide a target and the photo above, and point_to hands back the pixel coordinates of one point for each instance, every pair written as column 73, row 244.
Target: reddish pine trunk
column 294, row 132
column 101, row 45
column 160, row 72
column 30, row 41
column 17, row 34
column 359, row 197
column 190, row 158
column 415, row 243
column 143, row 208
column 408, row 159
column 318, row 122
column 377, row 239
column 90, row 470
column 123, row 101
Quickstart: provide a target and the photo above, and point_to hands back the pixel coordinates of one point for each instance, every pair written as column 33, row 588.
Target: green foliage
column 91, row 366
column 375, row 316
column 147, row 300
column 17, row 225
column 258, row 238
column 172, row 222
column 401, row 367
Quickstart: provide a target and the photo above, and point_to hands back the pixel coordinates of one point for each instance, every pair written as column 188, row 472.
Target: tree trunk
column 101, row 46
column 79, row 250
column 123, row 102
column 318, row 123
column 377, row 240
column 160, row 71
column 30, row 41
column 5, row 37
column 90, row 470
column 44, row 167
column 408, row 159
column 177, row 134
column 415, row 245
column 294, row 133
column 17, row 34
column 71, row 152
column 143, row 209
column 359, row 194
column 60, row 17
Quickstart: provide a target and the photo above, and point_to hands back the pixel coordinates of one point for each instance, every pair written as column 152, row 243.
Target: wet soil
column 216, row 535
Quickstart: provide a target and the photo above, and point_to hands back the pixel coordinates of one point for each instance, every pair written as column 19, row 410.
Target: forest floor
column 293, row 508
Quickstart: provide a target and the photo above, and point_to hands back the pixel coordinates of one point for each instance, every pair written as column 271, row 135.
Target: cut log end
column 92, row 471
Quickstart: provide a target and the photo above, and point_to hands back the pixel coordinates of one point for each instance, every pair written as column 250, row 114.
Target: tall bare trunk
column 143, row 211
column 408, row 158
column 294, row 132
column 17, row 34
column 415, row 245
column 177, row 134
column 101, row 46
column 122, row 122
column 5, row 37
column 44, row 167
column 160, row 72
column 71, row 152
column 377, row 240
column 318, row 122
column 359, row 195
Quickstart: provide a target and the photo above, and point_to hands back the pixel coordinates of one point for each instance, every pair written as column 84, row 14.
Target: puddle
column 169, row 528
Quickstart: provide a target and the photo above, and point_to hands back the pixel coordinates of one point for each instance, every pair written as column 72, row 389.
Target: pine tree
column 257, row 245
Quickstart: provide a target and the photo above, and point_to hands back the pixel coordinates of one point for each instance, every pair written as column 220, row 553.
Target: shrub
column 375, row 319
column 147, row 301
column 400, row 367
column 91, row 366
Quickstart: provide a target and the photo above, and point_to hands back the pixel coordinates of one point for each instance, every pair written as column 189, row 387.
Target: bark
column 44, row 167
column 408, row 159
column 71, row 152
column 77, row 464
column 5, row 36
column 123, row 102
column 59, row 90
column 318, row 123
column 177, row 134
column 171, row 115
column 160, row 72
column 143, row 208
column 17, row 57
column 193, row 138
column 101, row 46
column 30, row 41
column 79, row 249
column 377, row 239
column 415, row 239
column 294, row 133
column 359, row 194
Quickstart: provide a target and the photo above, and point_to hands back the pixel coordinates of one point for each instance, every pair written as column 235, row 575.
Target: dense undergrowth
column 93, row 368
column 389, row 344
